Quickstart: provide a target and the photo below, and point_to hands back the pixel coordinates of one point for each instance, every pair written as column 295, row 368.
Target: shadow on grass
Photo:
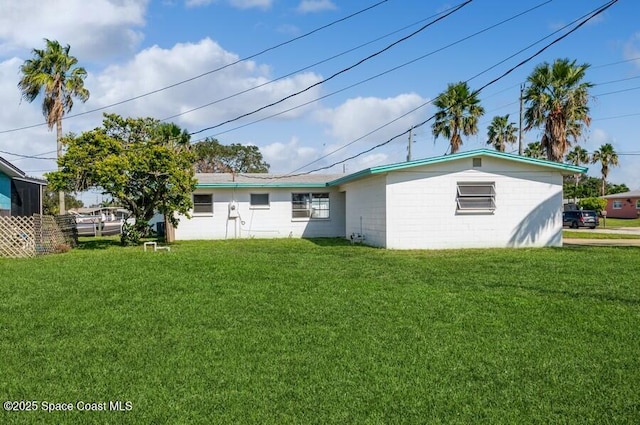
column 332, row 242
column 98, row 243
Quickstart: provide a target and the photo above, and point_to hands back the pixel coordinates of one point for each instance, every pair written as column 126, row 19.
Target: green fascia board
column 258, row 185
column 567, row 168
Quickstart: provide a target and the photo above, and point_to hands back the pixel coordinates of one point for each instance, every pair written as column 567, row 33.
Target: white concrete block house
column 481, row 198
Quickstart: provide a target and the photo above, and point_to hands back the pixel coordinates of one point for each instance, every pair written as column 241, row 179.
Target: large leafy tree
column 501, row 132
column 143, row 164
column 458, row 112
column 556, row 99
column 607, row 157
column 53, row 73
column 213, row 157
column 50, row 204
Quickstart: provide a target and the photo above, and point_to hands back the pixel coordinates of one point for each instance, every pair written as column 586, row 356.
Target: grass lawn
column 579, row 234
column 322, row 332
column 619, row 222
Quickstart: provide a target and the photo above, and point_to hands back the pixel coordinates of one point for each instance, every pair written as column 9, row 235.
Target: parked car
column 580, row 218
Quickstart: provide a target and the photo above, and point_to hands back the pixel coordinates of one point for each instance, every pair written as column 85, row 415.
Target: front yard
column 300, row 331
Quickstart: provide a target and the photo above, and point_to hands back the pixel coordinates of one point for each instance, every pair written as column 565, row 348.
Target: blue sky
column 132, row 47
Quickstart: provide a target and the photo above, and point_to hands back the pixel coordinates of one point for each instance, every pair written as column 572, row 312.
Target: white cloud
column 632, row 49
column 359, row 116
column 312, row 6
column 285, row 157
column 156, row 67
column 96, row 29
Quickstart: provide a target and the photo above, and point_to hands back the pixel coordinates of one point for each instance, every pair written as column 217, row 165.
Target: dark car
column 580, row 218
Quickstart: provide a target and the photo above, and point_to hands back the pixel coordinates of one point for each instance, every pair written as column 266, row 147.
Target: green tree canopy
column 534, row 150
column 556, row 101
column 214, row 157
column 51, row 206
column 458, row 113
column 501, row 132
column 607, row 157
column 53, row 73
column 143, row 164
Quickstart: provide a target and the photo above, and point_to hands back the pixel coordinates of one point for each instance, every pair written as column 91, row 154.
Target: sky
column 366, row 71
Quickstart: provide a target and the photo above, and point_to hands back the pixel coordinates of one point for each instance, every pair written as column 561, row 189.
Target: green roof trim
column 250, row 185
column 572, row 169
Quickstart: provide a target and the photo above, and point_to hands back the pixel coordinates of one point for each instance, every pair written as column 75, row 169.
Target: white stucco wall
column 366, row 209
column 421, row 206
column 258, row 222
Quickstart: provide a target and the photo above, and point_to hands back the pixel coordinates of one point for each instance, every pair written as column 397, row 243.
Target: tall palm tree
column 607, row 156
column 557, row 101
column 459, row 111
column 500, row 132
column 534, row 150
column 577, row 156
column 53, row 72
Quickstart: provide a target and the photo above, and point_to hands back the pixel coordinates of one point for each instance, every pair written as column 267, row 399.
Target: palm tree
column 500, row 132
column 534, row 150
column 53, row 73
column 577, row 156
column 556, row 101
column 459, row 111
column 607, row 156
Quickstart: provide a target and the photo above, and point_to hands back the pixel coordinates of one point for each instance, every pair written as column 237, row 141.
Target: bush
column 596, row 204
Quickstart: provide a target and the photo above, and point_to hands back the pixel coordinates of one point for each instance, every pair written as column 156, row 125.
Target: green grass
column 620, row 222
column 322, row 332
column 578, row 234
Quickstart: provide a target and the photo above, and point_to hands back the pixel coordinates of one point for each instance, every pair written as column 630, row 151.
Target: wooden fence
column 36, row 235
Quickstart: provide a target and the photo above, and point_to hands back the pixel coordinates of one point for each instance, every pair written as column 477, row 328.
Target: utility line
column 388, row 71
column 592, row 15
column 342, row 71
column 254, row 55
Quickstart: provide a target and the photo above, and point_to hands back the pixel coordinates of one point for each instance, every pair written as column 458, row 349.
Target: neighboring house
column 623, row 205
column 481, row 198
column 19, row 195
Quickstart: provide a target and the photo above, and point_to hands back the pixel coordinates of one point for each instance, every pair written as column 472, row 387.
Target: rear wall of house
column 272, row 221
column 624, row 208
column 422, row 208
column 365, row 210
column 5, row 195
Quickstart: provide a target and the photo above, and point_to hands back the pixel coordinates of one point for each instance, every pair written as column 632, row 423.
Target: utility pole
column 410, row 143
column 520, row 150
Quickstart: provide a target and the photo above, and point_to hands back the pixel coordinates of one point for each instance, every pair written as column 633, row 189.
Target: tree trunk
column 63, row 210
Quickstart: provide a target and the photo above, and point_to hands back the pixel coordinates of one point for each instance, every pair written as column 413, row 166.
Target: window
column 477, row 162
column 617, row 205
column 638, row 204
column 310, row 205
column 476, row 196
column 259, row 200
column 203, row 204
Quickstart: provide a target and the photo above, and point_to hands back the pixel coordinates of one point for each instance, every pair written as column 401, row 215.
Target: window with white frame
column 617, row 205
column 203, row 203
column 310, row 205
column 259, row 200
column 476, row 196
column 638, row 204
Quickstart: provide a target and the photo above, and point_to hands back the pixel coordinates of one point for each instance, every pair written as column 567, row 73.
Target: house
column 480, row 198
column 19, row 195
column 623, row 205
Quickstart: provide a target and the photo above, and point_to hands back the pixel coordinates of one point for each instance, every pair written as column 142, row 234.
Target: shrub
column 596, row 204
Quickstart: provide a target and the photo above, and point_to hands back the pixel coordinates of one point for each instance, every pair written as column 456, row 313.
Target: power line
column 388, row 71
column 304, row 68
column 342, row 71
column 254, row 55
column 593, row 14
column 38, row 156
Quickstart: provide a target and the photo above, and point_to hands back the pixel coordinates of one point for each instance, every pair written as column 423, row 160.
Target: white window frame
column 638, row 204
column 474, row 197
column 202, row 208
column 617, row 204
column 257, row 206
column 310, row 205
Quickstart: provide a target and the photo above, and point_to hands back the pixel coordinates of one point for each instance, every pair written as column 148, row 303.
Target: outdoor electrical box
column 233, row 210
